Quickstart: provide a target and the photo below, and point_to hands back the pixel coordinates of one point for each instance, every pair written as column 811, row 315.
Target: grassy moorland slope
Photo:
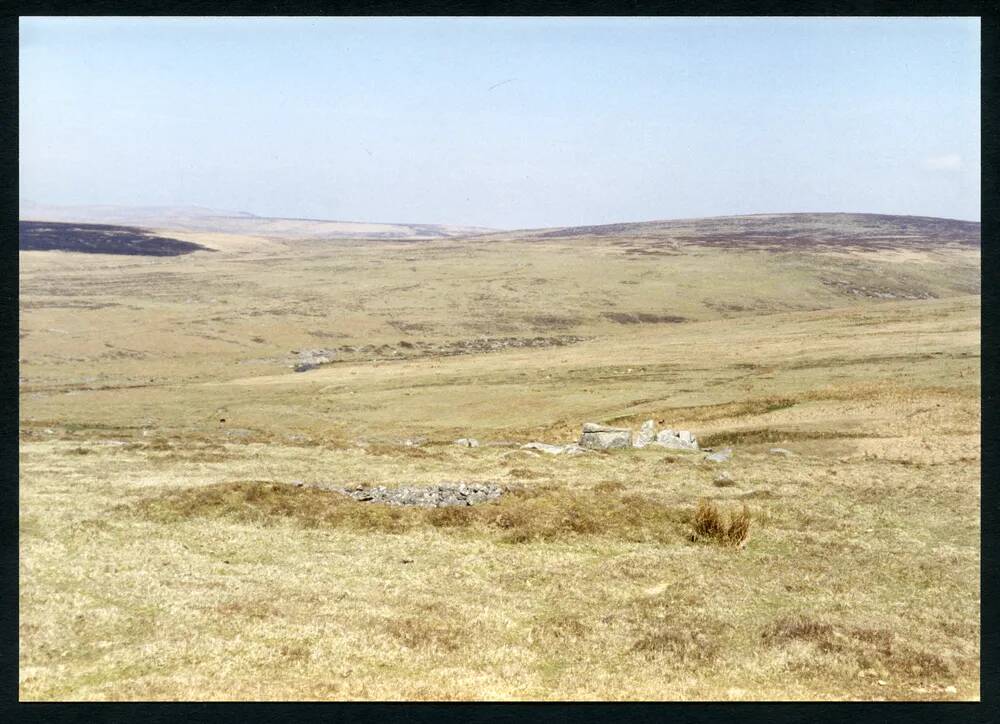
column 166, row 552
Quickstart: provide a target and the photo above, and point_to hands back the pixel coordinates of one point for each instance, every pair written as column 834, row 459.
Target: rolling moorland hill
column 776, row 232
column 245, row 305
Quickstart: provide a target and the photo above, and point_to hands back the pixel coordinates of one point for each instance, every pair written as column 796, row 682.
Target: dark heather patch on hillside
column 478, row 345
column 786, row 232
column 553, row 321
column 99, row 239
column 643, row 318
column 603, row 230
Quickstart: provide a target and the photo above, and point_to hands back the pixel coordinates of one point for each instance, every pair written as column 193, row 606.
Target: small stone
column 544, row 447
column 467, row 442
column 950, row 690
column 780, row 451
column 722, row 456
column 724, row 479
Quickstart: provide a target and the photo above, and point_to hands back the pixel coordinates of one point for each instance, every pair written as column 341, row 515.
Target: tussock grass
column 609, row 486
column 247, row 609
column 710, row 524
column 413, row 451
column 79, row 451
column 526, row 474
column 871, row 648
column 267, row 503
column 708, row 521
column 520, row 516
column 678, row 627
column 679, row 643
column 431, row 627
column 738, row 530
column 789, row 629
column 417, row 632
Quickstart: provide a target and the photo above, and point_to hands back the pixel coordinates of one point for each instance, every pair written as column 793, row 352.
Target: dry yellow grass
column 710, row 524
column 168, row 555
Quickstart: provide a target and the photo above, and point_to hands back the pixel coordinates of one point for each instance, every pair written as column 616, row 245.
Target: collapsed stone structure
column 602, row 437
column 310, row 359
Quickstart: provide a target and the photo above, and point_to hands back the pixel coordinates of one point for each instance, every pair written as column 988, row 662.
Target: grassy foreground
column 168, row 555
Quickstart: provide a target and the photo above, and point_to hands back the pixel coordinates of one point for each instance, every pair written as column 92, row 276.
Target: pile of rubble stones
column 434, row 496
column 310, row 359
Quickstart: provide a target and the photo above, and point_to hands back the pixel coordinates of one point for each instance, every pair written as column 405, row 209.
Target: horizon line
column 236, row 214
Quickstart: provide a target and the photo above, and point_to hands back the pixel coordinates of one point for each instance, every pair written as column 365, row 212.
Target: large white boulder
column 681, row 440
column 646, row 434
column 601, row 437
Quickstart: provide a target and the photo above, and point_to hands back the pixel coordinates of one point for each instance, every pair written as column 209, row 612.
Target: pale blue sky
column 509, row 123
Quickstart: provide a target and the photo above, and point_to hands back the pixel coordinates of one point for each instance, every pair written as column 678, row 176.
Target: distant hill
column 201, row 219
column 776, row 232
column 771, row 232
